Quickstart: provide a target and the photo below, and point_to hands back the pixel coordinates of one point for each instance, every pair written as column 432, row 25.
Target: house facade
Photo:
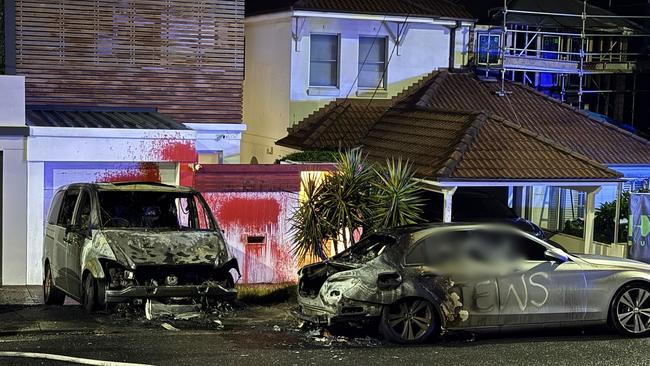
column 541, row 155
column 303, row 55
column 111, row 91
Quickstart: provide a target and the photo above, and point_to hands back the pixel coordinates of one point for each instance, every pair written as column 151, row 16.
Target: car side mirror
column 556, row 255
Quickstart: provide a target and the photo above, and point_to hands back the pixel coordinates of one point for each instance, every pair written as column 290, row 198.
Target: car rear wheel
column 631, row 311
column 409, row 321
column 51, row 294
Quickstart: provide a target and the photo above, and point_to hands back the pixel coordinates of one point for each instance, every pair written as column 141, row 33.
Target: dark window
column 154, row 210
column 83, row 214
column 55, row 208
column 255, row 240
column 509, row 246
column 372, row 62
column 437, row 249
column 489, row 49
column 67, row 208
column 324, row 60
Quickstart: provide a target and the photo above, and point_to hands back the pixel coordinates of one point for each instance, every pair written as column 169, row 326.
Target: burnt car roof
column 131, row 186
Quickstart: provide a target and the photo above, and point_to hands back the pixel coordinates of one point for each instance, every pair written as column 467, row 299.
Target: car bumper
column 350, row 311
column 152, row 292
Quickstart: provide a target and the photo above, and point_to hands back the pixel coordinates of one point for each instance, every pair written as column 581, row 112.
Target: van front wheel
column 89, row 299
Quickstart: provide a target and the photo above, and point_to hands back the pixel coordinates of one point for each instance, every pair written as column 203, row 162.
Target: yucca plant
column 396, row 195
column 308, row 227
column 347, row 197
column 355, row 195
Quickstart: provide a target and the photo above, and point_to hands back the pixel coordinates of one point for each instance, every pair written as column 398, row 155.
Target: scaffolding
column 580, row 51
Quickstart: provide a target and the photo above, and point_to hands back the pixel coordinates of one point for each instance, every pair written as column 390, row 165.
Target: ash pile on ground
column 350, row 336
column 175, row 317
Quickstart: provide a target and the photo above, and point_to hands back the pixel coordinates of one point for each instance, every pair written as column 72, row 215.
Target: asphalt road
column 249, row 338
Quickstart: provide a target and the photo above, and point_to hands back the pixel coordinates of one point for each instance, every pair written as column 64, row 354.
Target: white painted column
column 590, row 216
column 35, row 221
column 448, row 194
column 14, row 217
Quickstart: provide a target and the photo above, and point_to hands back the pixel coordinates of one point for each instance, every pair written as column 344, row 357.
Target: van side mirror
column 556, row 255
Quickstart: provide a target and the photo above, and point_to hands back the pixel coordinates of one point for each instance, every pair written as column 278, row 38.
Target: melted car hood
column 133, row 248
column 613, row 262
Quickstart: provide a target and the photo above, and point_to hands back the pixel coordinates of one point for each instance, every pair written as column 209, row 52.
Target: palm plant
column 356, row 195
column 396, row 195
column 308, row 228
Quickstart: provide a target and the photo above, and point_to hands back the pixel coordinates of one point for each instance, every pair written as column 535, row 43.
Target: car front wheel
column 409, row 321
column 631, row 311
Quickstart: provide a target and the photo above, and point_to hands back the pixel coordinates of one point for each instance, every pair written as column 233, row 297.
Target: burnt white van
column 107, row 243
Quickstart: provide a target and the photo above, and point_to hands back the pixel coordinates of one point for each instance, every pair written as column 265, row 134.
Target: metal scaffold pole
column 503, row 47
column 583, row 41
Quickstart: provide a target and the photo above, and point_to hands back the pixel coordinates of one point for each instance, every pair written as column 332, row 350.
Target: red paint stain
column 145, row 172
column 250, row 211
column 186, row 175
column 175, row 150
column 245, row 215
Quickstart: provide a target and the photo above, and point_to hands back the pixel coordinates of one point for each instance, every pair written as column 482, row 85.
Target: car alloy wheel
column 633, row 310
column 409, row 321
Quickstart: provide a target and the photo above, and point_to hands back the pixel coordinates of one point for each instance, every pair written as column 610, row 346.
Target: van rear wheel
column 51, row 294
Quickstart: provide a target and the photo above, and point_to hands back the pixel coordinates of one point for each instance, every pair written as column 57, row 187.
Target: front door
column 76, row 238
column 60, row 233
column 536, row 290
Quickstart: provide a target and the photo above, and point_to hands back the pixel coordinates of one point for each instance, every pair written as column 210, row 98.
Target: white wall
column 276, row 89
column 14, row 211
column 266, row 88
column 425, row 48
column 12, row 100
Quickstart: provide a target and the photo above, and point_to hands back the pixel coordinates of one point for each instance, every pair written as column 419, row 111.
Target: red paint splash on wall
column 254, row 212
column 175, row 150
column 145, row 172
column 255, row 228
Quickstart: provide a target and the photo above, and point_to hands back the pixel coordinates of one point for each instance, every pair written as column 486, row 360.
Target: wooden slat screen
column 185, row 57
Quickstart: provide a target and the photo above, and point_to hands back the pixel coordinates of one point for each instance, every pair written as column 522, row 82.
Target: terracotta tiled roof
column 416, row 8
column 340, row 124
column 523, row 106
column 458, row 145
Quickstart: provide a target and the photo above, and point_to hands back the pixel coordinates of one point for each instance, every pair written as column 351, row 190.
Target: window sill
column 326, row 91
column 369, row 93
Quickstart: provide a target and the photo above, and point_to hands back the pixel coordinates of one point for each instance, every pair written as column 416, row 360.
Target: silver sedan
column 419, row 281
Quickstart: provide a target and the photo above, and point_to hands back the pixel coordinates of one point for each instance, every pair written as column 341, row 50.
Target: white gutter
column 123, row 133
column 507, row 183
column 358, row 16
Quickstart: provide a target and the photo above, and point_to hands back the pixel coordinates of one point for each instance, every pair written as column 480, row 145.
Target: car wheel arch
column 643, row 283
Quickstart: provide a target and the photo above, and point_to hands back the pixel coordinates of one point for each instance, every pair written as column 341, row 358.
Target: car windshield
column 365, row 250
column 154, row 210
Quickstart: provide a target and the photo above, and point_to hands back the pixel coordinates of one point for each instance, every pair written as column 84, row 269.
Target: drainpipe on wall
column 452, row 44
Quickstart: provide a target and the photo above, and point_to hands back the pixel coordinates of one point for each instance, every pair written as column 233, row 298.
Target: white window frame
column 338, row 63
column 478, row 49
column 384, row 85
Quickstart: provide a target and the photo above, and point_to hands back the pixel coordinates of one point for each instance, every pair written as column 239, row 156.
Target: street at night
column 316, row 182
column 249, row 338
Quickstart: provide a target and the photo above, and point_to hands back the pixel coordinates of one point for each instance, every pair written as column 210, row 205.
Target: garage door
column 61, row 174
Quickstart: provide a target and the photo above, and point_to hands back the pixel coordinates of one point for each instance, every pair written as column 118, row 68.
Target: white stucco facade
column 277, row 92
column 38, row 160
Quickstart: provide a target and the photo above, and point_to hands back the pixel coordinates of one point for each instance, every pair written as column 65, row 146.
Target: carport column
column 590, row 217
column 448, row 195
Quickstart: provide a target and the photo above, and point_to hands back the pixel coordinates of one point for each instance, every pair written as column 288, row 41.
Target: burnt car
column 419, row 281
column 108, row 243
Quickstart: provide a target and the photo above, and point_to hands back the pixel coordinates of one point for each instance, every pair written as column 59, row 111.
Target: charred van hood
column 613, row 262
column 133, row 248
